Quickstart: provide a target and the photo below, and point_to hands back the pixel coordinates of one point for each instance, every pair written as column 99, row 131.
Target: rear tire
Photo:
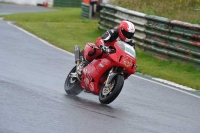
column 116, row 84
column 72, row 85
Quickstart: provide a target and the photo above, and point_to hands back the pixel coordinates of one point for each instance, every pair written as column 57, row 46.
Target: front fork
column 112, row 73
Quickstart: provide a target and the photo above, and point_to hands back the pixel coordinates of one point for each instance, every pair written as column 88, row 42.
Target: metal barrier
column 67, row 3
column 161, row 37
column 86, row 10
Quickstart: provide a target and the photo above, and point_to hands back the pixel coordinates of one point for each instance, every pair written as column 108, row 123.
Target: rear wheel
column 72, row 85
column 110, row 92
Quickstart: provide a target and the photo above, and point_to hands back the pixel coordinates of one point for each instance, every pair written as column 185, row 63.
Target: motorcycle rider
column 123, row 32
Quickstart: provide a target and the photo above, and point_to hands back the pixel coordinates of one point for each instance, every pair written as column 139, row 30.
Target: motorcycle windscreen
column 127, row 48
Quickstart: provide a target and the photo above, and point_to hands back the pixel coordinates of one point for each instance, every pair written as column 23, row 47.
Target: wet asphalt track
column 32, row 97
column 13, row 8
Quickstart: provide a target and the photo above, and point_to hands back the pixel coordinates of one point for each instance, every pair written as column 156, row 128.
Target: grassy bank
column 65, row 28
column 184, row 10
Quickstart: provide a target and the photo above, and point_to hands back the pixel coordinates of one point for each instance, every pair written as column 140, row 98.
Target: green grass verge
column 65, row 28
column 183, row 10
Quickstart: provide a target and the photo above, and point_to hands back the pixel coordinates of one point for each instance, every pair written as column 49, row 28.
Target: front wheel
column 110, row 92
column 72, row 85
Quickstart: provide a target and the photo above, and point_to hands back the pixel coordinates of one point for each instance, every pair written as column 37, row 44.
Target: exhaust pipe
column 77, row 54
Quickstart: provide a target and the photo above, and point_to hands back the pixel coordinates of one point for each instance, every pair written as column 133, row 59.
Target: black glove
column 105, row 49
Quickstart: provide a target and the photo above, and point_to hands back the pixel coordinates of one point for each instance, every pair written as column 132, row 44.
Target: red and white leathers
column 123, row 32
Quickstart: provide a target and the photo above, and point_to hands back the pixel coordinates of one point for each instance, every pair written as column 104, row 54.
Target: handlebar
column 106, row 49
column 112, row 51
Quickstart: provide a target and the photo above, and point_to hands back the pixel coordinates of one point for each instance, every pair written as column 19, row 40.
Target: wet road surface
column 33, row 100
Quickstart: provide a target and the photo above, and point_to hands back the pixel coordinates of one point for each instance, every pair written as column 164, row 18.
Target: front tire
column 72, row 85
column 110, row 93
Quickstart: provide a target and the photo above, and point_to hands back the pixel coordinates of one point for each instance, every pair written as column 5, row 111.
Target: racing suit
column 106, row 40
column 100, row 47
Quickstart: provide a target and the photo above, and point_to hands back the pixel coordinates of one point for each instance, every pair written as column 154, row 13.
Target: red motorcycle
column 105, row 76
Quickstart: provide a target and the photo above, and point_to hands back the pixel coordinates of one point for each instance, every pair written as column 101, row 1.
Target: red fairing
column 96, row 72
column 93, row 73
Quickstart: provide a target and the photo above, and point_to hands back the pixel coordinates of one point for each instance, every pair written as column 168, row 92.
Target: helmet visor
column 128, row 35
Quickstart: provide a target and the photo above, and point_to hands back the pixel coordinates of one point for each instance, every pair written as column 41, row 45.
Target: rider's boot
column 80, row 67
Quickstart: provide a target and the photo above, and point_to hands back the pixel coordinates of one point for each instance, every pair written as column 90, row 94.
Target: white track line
column 173, row 84
column 39, row 38
column 73, row 55
column 173, row 88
